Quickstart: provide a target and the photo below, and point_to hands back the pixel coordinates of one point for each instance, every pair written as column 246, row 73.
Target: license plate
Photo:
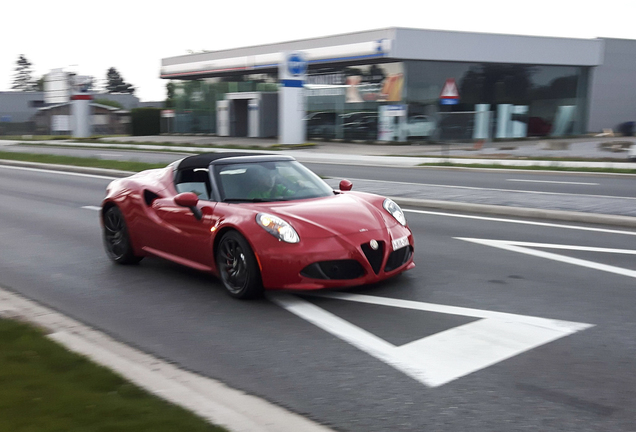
column 400, row 243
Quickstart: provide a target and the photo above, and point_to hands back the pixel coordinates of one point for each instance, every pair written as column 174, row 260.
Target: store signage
column 396, row 110
column 326, row 79
column 449, row 94
column 296, row 64
column 382, row 46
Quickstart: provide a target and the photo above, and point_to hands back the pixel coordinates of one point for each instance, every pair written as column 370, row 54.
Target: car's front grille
column 374, row 256
column 337, row 269
column 398, row 258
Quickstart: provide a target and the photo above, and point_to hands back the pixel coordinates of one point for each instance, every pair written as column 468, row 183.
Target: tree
column 170, row 90
column 23, row 78
column 116, row 84
column 39, row 84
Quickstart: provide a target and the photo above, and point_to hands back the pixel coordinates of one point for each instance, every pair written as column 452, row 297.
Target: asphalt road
column 518, row 180
column 439, row 368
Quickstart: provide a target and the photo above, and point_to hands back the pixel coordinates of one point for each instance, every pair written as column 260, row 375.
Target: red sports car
column 257, row 222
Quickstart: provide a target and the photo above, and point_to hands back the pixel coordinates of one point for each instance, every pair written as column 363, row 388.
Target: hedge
column 145, row 121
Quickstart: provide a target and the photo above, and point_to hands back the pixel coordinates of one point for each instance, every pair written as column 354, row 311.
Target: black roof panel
column 204, row 160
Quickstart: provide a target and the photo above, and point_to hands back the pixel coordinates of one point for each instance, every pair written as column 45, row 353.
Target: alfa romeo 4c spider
column 257, row 222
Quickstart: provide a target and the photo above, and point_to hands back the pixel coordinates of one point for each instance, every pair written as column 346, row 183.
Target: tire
column 116, row 238
column 237, row 267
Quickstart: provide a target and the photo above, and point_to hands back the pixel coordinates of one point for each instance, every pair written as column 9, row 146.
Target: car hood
column 338, row 215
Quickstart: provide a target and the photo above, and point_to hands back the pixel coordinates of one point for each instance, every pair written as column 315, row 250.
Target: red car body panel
column 330, row 228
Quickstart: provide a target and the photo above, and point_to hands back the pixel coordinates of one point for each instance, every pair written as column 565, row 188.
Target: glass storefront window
column 499, row 100
column 342, row 103
column 195, row 100
column 400, row 101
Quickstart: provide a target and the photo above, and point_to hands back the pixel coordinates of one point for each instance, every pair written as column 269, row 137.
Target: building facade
column 105, row 120
column 21, row 113
column 405, row 84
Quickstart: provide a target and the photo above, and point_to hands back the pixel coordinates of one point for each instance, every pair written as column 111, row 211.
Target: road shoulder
column 206, row 397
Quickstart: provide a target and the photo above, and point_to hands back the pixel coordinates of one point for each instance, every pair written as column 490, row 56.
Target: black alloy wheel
column 237, row 267
column 116, row 238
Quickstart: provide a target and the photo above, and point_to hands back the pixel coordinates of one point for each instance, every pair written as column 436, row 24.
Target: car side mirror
column 186, row 199
column 345, row 185
column 189, row 200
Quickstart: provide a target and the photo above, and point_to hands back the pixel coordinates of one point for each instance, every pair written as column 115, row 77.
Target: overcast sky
column 133, row 36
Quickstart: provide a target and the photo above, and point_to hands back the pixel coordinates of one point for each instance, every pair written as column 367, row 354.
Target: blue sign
column 379, row 48
column 296, row 65
column 453, row 101
column 5, row 119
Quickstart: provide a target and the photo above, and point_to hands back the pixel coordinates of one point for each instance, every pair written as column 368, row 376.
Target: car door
column 179, row 233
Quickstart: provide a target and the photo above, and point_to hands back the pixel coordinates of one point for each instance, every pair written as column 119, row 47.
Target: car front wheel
column 116, row 238
column 237, row 266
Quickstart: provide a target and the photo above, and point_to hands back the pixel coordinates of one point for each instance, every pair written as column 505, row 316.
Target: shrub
column 145, row 121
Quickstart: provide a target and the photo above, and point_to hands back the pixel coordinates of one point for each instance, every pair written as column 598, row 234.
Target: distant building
column 17, row 109
column 57, row 120
column 411, row 84
column 58, row 86
column 20, row 107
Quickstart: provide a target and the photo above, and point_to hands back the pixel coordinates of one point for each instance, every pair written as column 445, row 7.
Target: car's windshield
column 268, row 181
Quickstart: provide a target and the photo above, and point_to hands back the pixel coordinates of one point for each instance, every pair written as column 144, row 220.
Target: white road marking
column 96, row 208
column 109, row 154
column 523, row 222
column 58, row 172
column 519, row 247
column 493, row 189
column 571, row 247
column 555, row 182
column 443, row 357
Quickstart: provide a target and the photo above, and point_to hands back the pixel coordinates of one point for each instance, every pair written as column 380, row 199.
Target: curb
column 206, row 397
column 524, row 212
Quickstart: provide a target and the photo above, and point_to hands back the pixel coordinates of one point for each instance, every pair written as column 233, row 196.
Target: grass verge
column 47, row 388
column 95, row 138
column 534, row 168
column 80, row 161
column 122, row 140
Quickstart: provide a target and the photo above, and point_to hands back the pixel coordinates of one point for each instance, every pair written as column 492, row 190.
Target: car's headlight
column 394, row 210
column 277, row 227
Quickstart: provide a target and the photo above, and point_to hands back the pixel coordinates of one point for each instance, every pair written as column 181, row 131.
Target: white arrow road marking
column 443, row 357
column 95, row 208
column 522, row 222
column 524, row 248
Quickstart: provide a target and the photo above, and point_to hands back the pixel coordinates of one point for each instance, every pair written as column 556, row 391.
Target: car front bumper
column 284, row 266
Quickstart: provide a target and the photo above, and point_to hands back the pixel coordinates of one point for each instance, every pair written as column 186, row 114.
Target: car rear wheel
column 237, row 267
column 116, row 238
